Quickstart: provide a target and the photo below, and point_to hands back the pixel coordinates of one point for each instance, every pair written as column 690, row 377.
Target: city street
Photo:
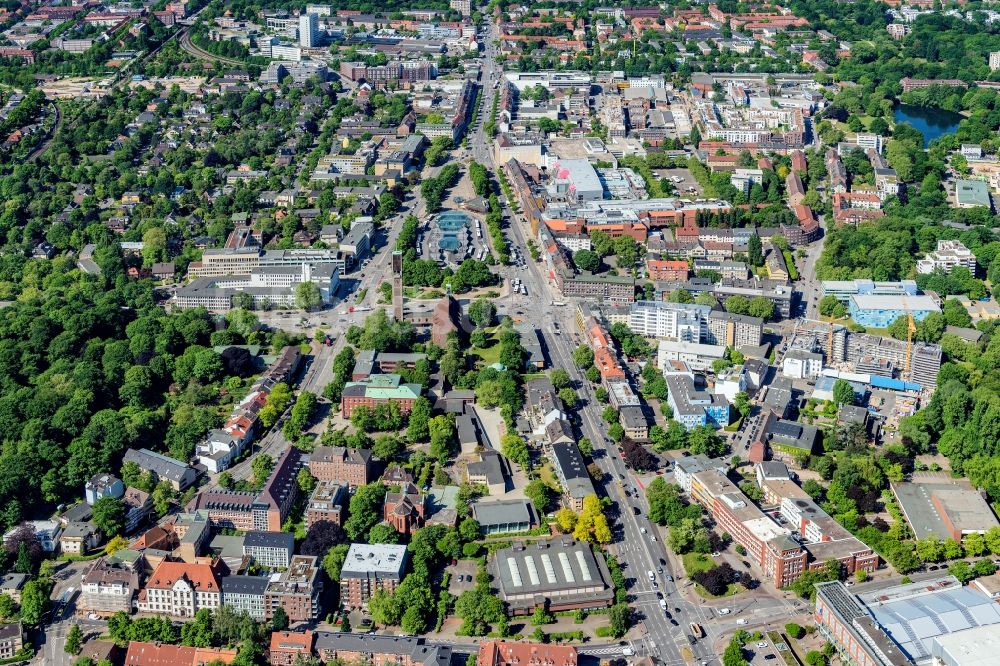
column 636, row 552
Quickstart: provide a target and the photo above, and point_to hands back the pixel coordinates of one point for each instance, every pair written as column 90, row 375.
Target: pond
column 931, row 122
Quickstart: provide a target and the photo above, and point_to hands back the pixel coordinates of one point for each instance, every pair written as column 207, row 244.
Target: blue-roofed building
column 880, row 311
column 901, row 625
column 842, row 290
column 693, row 407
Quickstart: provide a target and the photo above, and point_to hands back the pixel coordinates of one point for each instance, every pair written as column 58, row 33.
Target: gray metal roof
column 258, row 539
column 560, row 566
column 244, row 585
column 502, row 513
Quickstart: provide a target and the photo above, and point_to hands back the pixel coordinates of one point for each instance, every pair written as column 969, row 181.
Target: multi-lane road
column 639, row 544
column 635, row 548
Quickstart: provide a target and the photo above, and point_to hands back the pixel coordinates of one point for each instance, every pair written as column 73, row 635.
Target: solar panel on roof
column 515, row 575
column 550, row 573
column 584, row 567
column 529, row 562
column 567, row 569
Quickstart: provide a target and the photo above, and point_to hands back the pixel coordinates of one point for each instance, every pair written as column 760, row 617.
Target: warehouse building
column 561, row 572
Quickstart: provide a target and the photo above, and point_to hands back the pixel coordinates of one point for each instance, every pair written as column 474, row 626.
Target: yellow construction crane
column 911, row 328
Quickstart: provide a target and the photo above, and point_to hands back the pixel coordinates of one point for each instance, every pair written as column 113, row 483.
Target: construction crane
column 911, row 328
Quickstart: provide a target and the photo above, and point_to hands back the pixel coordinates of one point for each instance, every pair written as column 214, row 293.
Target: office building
column 174, row 472
column 937, row 505
column 162, row 654
column 801, row 364
column 110, row 584
column 733, row 330
column 559, row 574
column 341, row 465
column 247, row 511
column 842, row 290
column 918, row 624
column 697, row 357
column 348, row 648
column 245, row 594
column 379, row 390
column 308, row 30
column 267, row 286
column 504, row 517
column 11, row 639
column 327, row 502
column 674, row 321
column 181, row 589
column 503, row 653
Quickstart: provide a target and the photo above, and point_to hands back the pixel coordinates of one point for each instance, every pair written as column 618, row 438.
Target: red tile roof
column 157, row 654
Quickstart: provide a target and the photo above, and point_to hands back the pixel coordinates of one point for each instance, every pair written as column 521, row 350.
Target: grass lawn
column 547, row 476
column 491, row 354
column 699, row 562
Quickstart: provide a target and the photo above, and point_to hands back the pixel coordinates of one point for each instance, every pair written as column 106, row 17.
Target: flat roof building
column 504, row 517
column 938, row 505
column 880, row 311
column 562, row 572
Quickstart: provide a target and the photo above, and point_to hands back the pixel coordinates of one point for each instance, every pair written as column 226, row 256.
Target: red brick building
column 405, row 510
column 341, row 465
column 502, row 653
column 379, row 390
column 287, row 645
column 247, row 511
column 664, row 269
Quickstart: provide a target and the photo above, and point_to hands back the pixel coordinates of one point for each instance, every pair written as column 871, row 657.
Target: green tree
column 383, row 533
column 583, row 356
column 482, row 312
column 418, row 429
column 755, row 252
column 34, row 602
column 279, row 619
column 365, row 510
column 843, row 392
column 587, row 260
column 261, row 466
column 74, row 640
column 307, row 296
column 108, row 514
column 515, row 449
column 539, row 494
column 619, row 619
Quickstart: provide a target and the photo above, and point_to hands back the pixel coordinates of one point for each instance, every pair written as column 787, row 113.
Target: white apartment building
column 696, row 356
column 800, row 364
column 672, row 321
column 308, row 30
column 948, row 255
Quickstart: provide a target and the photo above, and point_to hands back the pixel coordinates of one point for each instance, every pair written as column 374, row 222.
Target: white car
column 642, row 529
column 761, row 645
column 724, row 611
column 742, row 621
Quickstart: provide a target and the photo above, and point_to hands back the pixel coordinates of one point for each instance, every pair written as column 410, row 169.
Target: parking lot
column 682, row 180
